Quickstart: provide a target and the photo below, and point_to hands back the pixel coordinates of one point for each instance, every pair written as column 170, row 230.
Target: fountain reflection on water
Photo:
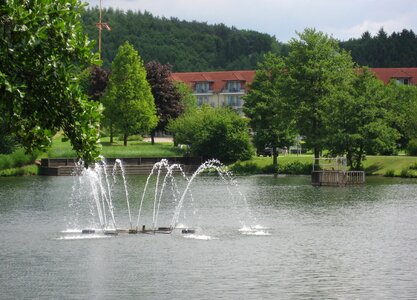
column 101, row 192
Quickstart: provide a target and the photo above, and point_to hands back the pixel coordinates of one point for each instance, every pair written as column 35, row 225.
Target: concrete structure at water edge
column 333, row 172
column 132, row 166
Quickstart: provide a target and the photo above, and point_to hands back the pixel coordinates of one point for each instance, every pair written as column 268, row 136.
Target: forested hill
column 383, row 51
column 196, row 46
column 187, row 46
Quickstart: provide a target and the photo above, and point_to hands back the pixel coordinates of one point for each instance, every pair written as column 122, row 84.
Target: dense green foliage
column 40, row 42
column 296, row 167
column 267, row 109
column 213, row 133
column 128, row 100
column 383, row 50
column 187, row 46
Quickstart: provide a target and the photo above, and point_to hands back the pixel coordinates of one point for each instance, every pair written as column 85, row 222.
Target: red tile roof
column 387, row 74
column 217, row 79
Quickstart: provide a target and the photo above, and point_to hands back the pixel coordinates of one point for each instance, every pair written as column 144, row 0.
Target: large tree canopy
column 128, row 100
column 316, row 70
column 360, row 122
column 41, row 42
column 268, row 111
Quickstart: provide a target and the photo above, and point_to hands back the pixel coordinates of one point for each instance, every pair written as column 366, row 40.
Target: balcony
column 233, row 91
column 203, row 92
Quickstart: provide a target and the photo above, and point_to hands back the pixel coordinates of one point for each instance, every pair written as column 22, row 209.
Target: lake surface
column 307, row 243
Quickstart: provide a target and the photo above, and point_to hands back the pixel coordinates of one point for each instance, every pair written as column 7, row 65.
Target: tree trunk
column 274, row 156
column 316, row 158
column 153, row 137
column 275, row 159
column 175, row 142
column 111, row 132
column 125, row 139
column 349, row 161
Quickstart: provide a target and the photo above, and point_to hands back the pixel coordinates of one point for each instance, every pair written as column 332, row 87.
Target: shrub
column 17, row 159
column 214, row 133
column 389, row 173
column 6, row 161
column 412, row 147
column 245, row 169
column 270, row 169
column 23, row 171
column 296, row 168
column 405, row 173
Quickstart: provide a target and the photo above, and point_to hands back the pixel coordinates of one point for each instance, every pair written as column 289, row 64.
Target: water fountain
column 99, row 188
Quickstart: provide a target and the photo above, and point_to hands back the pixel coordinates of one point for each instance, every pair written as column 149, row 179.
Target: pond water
column 321, row 243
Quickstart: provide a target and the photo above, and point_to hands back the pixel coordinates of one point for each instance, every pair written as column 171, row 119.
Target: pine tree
column 129, row 104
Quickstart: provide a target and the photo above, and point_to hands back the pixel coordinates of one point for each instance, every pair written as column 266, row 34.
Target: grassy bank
column 398, row 166
column 18, row 163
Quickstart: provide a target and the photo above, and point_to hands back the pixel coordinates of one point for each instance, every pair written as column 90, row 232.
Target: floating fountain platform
column 166, row 230
column 111, row 232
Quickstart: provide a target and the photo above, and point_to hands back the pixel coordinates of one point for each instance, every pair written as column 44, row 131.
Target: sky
column 341, row 19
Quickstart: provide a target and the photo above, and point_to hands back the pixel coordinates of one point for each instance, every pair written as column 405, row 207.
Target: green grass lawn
column 62, row 149
column 380, row 165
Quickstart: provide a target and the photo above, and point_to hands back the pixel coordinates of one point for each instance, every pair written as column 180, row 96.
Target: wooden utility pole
column 100, row 25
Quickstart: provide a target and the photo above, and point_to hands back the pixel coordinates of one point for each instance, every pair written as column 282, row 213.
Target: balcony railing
column 233, row 91
column 203, row 92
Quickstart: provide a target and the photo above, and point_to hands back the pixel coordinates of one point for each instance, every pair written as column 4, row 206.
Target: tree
column 403, row 104
column 360, row 122
column 188, row 99
column 213, row 133
column 93, row 82
column 98, row 80
column 315, row 70
column 40, row 44
column 167, row 97
column 268, row 111
column 128, row 100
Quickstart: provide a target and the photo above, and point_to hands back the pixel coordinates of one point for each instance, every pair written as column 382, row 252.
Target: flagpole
column 99, row 33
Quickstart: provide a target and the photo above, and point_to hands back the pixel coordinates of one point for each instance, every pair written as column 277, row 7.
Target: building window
column 233, row 86
column 234, row 101
column 405, row 81
column 202, row 100
column 201, row 87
